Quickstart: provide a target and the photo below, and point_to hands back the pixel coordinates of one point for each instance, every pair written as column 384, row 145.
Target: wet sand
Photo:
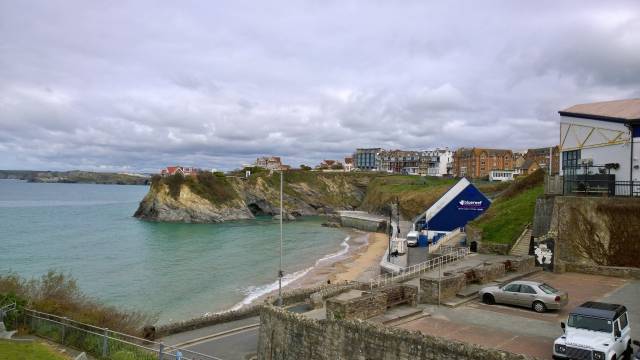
column 361, row 263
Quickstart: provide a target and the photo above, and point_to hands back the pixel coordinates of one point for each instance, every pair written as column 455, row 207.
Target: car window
column 616, row 327
column 548, row 288
column 527, row 289
column 590, row 323
column 623, row 321
column 512, row 288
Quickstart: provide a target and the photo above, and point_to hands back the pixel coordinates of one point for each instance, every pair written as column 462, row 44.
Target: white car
column 595, row 331
column 412, row 238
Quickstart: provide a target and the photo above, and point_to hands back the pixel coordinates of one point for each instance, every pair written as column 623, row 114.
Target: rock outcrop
column 305, row 194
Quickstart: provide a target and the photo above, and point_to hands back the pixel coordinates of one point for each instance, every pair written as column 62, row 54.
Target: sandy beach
column 360, row 263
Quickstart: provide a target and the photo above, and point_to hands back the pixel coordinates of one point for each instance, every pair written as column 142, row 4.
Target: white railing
column 444, row 239
column 101, row 342
column 417, row 269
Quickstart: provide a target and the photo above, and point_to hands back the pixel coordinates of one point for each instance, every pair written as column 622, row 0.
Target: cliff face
column 209, row 199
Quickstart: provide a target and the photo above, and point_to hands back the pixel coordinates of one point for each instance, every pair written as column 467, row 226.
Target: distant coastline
column 75, row 177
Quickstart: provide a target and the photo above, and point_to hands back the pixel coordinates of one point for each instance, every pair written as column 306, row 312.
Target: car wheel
column 539, row 307
column 629, row 352
column 488, row 299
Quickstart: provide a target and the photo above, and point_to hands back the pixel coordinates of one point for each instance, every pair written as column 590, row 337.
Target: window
column 548, row 289
column 570, row 161
column 512, row 288
column 623, row 320
column 527, row 289
column 590, row 323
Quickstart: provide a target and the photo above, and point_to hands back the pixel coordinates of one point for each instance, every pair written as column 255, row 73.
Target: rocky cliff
column 215, row 197
column 210, row 198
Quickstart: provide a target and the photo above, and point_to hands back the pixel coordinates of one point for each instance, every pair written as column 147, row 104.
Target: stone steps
column 521, row 247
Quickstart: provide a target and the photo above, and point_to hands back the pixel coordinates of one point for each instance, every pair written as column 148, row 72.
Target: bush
column 59, row 294
column 175, row 183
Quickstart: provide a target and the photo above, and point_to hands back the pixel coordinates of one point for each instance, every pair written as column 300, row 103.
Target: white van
column 412, row 238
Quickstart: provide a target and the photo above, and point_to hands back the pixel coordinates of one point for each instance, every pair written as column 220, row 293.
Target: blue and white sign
column 461, row 204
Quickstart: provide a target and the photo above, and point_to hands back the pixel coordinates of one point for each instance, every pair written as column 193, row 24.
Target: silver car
column 531, row 294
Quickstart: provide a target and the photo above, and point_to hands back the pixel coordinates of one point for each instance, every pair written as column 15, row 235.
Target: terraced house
column 478, row 162
column 398, row 161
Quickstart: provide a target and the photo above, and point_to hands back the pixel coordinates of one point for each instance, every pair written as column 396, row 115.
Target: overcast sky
column 137, row 85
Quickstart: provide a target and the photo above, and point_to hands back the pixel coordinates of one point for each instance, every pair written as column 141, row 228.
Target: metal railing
column 101, row 342
column 417, row 269
column 577, row 186
column 453, row 233
column 5, row 310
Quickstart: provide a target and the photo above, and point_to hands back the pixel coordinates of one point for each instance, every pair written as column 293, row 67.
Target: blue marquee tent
column 461, row 204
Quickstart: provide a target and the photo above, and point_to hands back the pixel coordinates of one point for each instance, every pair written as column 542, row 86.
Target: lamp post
column 281, row 240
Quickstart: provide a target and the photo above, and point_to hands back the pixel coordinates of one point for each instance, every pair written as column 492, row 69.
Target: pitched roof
column 618, row 110
column 527, row 164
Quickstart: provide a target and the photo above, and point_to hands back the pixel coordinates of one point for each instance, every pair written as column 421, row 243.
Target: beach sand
column 361, row 263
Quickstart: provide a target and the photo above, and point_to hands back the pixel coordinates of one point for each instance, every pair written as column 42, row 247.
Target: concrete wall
column 289, row 336
column 543, row 215
column 614, row 271
column 363, row 224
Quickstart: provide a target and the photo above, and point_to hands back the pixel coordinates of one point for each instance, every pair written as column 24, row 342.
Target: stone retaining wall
column 614, row 271
column 289, row 297
column 371, row 304
column 288, row 336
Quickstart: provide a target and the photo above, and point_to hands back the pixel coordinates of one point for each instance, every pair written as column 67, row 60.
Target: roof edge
column 597, row 117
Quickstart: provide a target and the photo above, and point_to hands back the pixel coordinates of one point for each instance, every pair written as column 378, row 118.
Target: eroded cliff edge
column 209, row 198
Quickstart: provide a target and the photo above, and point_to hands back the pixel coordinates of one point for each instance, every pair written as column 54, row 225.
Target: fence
column 418, row 269
column 599, row 187
column 103, row 343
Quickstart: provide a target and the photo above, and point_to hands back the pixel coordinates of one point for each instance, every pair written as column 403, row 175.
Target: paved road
column 235, row 340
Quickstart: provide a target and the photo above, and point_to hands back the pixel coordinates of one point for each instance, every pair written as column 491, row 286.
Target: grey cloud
column 139, row 85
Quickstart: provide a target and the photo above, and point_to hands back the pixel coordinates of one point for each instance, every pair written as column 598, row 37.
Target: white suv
column 595, row 331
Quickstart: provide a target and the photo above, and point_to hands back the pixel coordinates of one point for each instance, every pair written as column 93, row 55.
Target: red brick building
column 478, row 162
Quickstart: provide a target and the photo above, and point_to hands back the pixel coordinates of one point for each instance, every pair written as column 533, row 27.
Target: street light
column 281, row 241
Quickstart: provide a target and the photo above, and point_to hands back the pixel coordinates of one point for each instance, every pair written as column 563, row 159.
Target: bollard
column 160, row 357
column 105, row 349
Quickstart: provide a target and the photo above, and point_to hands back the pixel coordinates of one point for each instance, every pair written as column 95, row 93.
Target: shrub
column 59, row 294
column 175, row 183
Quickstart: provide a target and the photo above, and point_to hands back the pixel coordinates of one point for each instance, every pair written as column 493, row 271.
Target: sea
column 177, row 271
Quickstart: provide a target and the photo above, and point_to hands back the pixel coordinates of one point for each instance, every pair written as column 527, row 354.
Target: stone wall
column 614, row 271
column 289, row 297
column 493, row 248
column 524, row 264
column 600, row 231
column 403, row 293
column 449, row 285
column 362, row 307
column 370, row 304
column 289, row 336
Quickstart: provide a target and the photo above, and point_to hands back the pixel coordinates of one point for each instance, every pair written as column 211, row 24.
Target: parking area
column 521, row 330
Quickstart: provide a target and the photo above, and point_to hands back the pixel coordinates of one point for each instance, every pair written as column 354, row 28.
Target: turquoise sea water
column 177, row 270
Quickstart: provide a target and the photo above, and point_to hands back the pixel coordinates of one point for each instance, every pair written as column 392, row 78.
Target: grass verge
column 28, row 351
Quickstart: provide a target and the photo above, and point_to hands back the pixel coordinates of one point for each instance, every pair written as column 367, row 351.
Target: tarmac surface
column 521, row 330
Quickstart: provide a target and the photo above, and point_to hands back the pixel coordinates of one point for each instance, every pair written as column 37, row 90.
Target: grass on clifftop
column 213, row 187
column 28, row 351
column 511, row 211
